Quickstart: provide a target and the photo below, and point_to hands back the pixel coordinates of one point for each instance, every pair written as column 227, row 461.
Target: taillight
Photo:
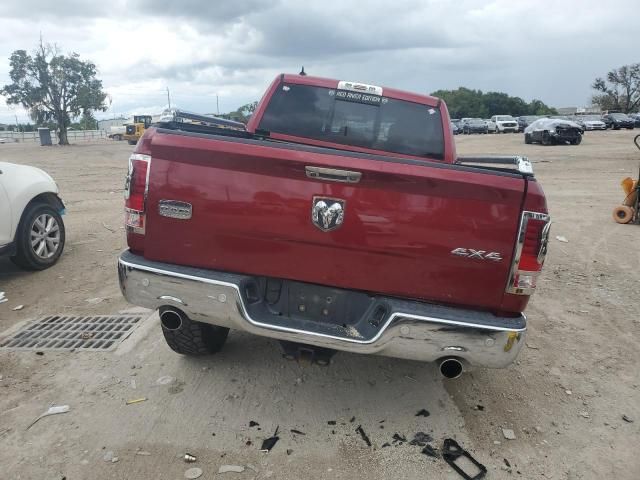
column 135, row 192
column 531, row 250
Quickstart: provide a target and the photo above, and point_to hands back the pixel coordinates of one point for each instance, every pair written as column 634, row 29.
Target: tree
column 53, row 87
column 242, row 114
column 620, row 90
column 464, row 102
column 87, row 121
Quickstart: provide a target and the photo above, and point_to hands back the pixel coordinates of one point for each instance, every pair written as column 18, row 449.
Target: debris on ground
column 189, row 458
column 364, row 436
column 508, row 434
column 40, row 353
column 231, row 468
column 430, row 451
column 331, row 422
column 584, row 414
column 297, row 432
column 562, row 239
column 289, row 451
column 52, row 411
column 568, row 392
column 193, row 473
column 385, row 445
column 451, row 452
column 108, row 227
column 399, row 438
column 94, row 301
column 423, row 413
column 253, row 424
column 627, row 419
column 353, row 419
column 165, row 380
column 421, row 439
column 269, row 443
column 19, row 307
column 480, row 407
column 143, row 453
column 109, row 457
column 136, row 400
column 3, row 298
column 506, row 462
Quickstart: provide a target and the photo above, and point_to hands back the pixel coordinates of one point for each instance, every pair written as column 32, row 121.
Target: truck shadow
column 383, row 395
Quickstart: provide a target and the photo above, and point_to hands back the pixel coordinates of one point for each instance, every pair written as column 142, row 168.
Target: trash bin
column 45, row 136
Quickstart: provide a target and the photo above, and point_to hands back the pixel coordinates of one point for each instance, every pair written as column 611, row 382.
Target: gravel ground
column 564, row 398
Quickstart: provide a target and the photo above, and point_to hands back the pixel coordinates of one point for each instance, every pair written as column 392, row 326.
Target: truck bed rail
column 502, row 163
column 193, row 122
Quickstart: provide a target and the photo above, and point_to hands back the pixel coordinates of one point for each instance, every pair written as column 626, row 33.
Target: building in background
column 590, row 110
column 114, row 122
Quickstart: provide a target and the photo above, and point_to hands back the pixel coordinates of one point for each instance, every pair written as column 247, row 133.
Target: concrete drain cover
column 66, row 333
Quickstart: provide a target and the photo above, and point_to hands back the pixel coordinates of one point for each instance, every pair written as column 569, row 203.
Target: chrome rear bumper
column 411, row 330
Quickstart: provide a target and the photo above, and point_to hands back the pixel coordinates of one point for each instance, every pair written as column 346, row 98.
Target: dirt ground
column 564, row 398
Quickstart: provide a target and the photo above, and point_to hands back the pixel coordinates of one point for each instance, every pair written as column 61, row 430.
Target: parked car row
column 509, row 124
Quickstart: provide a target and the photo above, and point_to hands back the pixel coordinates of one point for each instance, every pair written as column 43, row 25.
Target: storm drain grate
column 66, row 333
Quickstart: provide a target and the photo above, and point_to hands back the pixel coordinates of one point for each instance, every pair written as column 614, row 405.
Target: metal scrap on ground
column 364, row 436
column 269, row 443
column 451, row 452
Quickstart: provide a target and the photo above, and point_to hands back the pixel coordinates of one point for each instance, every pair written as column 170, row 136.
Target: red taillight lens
column 531, row 249
column 531, row 246
column 135, row 191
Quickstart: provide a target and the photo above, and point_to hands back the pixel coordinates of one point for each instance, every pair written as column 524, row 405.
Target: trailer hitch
column 306, row 353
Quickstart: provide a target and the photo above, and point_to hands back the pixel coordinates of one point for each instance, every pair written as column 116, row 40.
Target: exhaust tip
column 171, row 320
column 451, row 368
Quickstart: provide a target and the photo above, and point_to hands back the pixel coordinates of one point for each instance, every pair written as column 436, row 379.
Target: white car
column 491, row 126
column 593, row 122
column 31, row 229
column 505, row 123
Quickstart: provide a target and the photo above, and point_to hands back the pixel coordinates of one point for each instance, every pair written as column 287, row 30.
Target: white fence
column 73, row 135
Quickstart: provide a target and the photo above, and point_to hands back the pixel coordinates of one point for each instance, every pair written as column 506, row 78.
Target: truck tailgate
column 252, row 213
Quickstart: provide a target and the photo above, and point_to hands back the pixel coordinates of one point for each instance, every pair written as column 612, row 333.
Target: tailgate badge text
column 479, row 254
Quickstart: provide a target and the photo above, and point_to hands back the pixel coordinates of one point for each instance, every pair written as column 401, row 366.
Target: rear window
column 362, row 120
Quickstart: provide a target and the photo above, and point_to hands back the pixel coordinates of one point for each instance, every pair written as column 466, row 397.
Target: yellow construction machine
column 133, row 131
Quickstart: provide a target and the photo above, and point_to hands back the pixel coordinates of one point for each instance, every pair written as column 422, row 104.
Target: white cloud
column 200, row 49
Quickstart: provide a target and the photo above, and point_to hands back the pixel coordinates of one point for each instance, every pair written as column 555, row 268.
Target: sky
column 200, row 49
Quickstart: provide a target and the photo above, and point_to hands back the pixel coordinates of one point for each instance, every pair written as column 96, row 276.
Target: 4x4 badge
column 479, row 254
column 327, row 213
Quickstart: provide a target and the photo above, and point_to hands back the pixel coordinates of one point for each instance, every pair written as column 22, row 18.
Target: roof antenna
column 302, row 72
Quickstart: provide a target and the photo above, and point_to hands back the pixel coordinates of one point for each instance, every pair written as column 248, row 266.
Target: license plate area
column 320, row 304
column 307, row 303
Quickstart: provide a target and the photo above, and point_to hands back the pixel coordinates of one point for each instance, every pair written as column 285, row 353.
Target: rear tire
column 40, row 237
column 577, row 141
column 527, row 138
column 131, row 142
column 195, row 338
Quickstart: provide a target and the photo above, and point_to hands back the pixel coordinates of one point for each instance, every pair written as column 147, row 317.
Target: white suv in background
column 505, row 123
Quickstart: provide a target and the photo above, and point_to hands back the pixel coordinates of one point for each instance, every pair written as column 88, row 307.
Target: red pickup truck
column 341, row 218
